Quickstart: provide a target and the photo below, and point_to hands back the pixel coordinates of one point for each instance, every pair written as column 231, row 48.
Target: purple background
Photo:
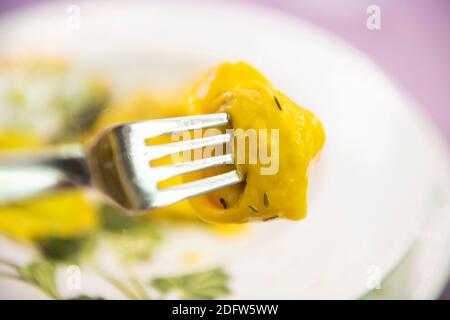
column 413, row 45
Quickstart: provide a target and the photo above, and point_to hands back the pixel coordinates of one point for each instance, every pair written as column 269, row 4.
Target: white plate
column 370, row 193
column 423, row 272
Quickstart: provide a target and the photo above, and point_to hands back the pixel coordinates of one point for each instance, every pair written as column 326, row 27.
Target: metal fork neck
column 28, row 174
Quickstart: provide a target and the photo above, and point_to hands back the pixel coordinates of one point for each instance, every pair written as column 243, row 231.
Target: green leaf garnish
column 42, row 275
column 114, row 219
column 137, row 244
column 66, row 249
column 209, row 284
column 81, row 110
column 253, row 208
column 135, row 239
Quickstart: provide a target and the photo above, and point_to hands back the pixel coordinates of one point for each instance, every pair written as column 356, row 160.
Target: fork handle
column 26, row 174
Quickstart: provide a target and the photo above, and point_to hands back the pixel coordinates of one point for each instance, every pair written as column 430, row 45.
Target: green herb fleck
column 224, row 203
column 270, row 218
column 277, row 103
column 266, row 200
column 253, row 208
column 209, row 284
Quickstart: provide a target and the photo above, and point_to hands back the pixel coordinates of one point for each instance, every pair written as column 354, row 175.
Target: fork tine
column 195, row 188
column 166, row 172
column 153, row 128
column 162, row 150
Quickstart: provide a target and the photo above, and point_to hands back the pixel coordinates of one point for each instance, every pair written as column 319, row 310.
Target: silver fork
column 118, row 165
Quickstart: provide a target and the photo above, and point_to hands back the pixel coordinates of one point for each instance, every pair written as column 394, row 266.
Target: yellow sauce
column 253, row 103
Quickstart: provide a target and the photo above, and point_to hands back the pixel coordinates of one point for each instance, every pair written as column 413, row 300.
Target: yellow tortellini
column 254, row 105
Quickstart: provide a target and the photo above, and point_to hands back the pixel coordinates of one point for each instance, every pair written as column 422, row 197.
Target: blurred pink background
column 412, row 46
